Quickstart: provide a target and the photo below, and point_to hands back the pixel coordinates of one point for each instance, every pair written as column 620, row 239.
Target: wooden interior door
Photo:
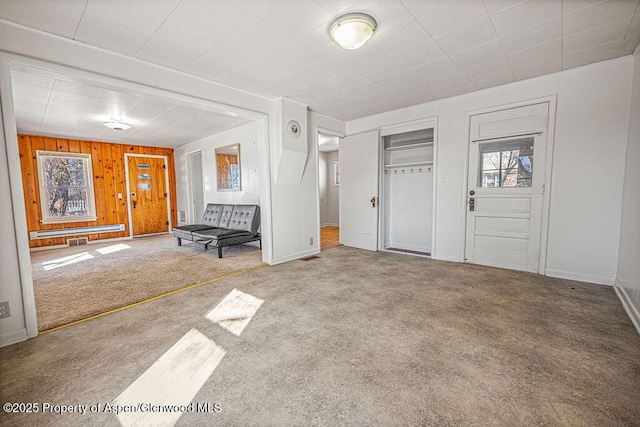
column 148, row 195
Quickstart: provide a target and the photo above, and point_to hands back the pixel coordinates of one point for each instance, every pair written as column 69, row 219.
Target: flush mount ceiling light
column 352, row 30
column 117, row 125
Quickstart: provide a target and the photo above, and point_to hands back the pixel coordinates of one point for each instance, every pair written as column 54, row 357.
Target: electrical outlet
column 5, row 309
column 310, row 241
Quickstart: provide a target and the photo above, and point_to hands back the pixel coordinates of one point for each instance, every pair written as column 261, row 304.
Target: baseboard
column 329, row 224
column 632, row 311
column 287, row 258
column 445, row 258
column 578, row 277
column 90, row 242
column 9, row 338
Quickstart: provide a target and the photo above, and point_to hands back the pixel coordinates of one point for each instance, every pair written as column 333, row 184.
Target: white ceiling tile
column 139, row 15
column 363, row 57
column 368, row 89
column 421, row 89
column 165, row 53
column 35, row 91
column 629, row 46
column 335, row 7
column 387, row 13
column 596, row 36
column 489, row 67
column 402, row 36
column 418, row 55
column 70, row 98
column 494, row 6
column 295, row 17
column 532, row 36
column 597, row 15
column 181, row 33
column 547, row 50
column 258, row 35
column 401, row 79
column 295, row 54
column 78, row 4
column 570, row 6
column 418, row 6
column 385, row 68
column 478, row 54
column 469, row 36
column 457, row 89
column 348, row 81
column 52, row 17
column 495, row 79
column 326, row 69
column 434, row 69
column 219, row 17
column 524, row 69
column 319, row 41
column 590, row 55
column 450, row 15
column 109, row 35
column 634, row 27
column 453, row 78
column 525, row 14
column 294, row 80
column 80, row 88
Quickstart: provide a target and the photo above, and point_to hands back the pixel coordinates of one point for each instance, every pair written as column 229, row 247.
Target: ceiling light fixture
column 352, row 30
column 117, row 125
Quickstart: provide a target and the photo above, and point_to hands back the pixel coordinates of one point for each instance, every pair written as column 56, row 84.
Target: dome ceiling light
column 352, row 30
column 117, row 125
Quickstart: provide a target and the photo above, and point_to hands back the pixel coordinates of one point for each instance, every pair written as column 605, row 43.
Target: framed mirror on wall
column 228, row 168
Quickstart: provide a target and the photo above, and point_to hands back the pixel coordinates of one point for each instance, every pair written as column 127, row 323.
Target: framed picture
column 336, row 173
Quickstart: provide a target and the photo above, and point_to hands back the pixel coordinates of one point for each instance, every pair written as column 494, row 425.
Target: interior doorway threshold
column 409, row 252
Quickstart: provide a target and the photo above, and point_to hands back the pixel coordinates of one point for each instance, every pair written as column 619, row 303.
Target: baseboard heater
column 76, row 231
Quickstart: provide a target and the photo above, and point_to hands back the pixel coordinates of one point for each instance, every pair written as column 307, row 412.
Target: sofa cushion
column 226, row 216
column 214, row 213
column 245, row 217
column 218, row 233
column 192, row 228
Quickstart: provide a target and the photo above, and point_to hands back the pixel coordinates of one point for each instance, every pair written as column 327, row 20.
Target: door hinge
column 165, row 194
column 167, row 222
column 164, row 166
column 542, row 188
column 538, row 256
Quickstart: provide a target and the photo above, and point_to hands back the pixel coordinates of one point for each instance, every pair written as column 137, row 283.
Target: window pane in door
column 506, row 164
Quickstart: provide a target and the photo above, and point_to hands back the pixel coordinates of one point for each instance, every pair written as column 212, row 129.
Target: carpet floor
column 78, row 282
column 358, row 338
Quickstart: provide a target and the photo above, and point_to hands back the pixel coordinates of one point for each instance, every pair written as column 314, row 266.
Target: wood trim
column 107, row 161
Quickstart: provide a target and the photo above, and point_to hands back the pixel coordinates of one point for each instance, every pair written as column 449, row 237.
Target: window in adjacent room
column 66, row 187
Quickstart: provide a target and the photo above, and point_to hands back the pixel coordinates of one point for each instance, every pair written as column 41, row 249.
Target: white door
column 196, row 187
column 507, row 154
column 359, row 191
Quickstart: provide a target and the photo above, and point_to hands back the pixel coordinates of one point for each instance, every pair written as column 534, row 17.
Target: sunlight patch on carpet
column 113, row 248
column 173, row 380
column 235, row 311
column 68, row 260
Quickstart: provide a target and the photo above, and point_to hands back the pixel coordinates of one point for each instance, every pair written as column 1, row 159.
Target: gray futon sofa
column 223, row 225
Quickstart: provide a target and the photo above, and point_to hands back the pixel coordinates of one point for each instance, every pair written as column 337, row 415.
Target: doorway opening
column 329, row 183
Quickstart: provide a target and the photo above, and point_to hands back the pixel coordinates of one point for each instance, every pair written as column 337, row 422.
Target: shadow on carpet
column 71, row 284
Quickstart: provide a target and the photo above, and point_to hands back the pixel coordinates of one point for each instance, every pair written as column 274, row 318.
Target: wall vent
column 77, row 242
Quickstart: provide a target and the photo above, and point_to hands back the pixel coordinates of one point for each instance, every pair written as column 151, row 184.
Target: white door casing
column 507, row 152
column 359, row 168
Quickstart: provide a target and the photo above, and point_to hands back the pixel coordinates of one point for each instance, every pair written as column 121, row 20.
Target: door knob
column 373, row 202
column 471, row 193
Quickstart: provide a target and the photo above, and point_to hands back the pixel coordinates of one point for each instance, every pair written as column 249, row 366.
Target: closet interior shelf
column 409, row 146
column 405, row 165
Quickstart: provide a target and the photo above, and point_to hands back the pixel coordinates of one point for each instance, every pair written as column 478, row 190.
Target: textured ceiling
column 56, row 104
column 424, row 49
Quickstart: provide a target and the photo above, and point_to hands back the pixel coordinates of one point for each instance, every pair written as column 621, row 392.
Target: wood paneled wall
column 108, row 179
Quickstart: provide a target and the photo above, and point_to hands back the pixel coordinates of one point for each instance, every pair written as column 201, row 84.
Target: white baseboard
column 9, row 338
column 445, row 258
column 632, row 311
column 286, row 258
column 599, row 280
column 89, row 242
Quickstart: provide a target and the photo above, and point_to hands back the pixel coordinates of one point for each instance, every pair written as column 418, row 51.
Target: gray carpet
column 360, row 338
column 77, row 282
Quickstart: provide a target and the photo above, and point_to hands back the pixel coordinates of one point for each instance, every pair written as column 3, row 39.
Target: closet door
column 359, row 166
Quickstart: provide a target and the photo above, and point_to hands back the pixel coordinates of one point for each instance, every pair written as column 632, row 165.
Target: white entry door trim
column 543, row 183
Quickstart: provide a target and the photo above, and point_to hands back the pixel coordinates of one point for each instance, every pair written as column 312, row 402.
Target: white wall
column 592, row 120
column 628, row 278
column 246, row 136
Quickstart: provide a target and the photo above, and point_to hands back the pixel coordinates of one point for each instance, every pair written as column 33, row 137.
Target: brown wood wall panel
column 108, row 167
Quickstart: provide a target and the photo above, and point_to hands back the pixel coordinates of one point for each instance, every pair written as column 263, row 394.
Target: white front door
column 359, row 190
column 507, row 152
